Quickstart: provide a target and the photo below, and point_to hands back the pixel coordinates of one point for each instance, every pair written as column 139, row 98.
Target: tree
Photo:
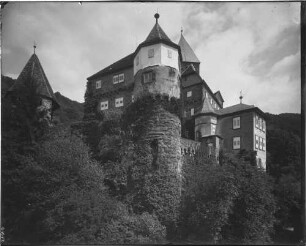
column 229, row 203
column 63, row 199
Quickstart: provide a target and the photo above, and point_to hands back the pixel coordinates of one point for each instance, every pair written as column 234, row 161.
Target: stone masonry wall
column 163, row 130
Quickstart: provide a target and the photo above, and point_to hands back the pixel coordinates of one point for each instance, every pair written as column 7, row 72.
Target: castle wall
column 163, row 130
column 245, row 132
column 166, row 81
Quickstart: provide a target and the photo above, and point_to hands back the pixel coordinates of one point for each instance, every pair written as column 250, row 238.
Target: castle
column 160, row 66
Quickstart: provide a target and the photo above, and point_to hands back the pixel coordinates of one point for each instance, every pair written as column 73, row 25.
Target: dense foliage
column 57, row 189
column 284, row 165
column 228, row 203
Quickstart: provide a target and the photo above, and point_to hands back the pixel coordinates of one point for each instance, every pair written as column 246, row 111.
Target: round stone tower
column 157, row 72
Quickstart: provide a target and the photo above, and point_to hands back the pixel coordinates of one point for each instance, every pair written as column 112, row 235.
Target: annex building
column 160, row 66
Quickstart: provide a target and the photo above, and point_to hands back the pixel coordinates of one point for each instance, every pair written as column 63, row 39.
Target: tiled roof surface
column 118, row 65
column 34, row 73
column 157, row 34
column 234, row 108
column 188, row 54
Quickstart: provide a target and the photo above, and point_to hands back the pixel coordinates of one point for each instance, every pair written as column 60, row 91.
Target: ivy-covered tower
column 157, row 72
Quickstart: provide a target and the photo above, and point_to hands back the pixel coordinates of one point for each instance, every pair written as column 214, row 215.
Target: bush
column 232, row 203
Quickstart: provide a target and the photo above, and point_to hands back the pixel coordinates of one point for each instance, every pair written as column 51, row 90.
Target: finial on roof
column 34, row 46
column 181, row 30
column 156, row 16
column 240, row 97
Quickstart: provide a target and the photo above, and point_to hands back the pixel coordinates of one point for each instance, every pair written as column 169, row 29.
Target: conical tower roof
column 34, row 75
column 157, row 35
column 188, row 54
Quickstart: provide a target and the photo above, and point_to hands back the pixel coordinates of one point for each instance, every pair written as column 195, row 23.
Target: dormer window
column 151, row 53
column 236, row 122
column 121, row 77
column 189, row 93
column 98, row 84
column 169, row 53
column 116, row 79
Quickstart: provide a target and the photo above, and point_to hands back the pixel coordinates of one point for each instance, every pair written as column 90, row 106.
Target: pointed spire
column 34, row 73
column 157, row 33
column 188, row 54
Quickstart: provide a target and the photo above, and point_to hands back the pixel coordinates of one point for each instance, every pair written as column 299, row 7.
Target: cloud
column 253, row 47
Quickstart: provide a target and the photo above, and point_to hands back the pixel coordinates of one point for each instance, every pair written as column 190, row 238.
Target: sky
column 242, row 46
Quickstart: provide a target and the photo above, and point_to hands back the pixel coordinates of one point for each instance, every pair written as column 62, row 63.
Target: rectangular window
column 115, row 79
column 119, row 102
column 133, row 98
column 151, row 53
column 104, row 105
column 256, row 121
column 189, row 93
column 236, row 143
column 256, row 142
column 148, row 77
column 264, row 144
column 170, row 53
column 264, row 125
column 98, row 84
column 192, row 111
column 260, row 123
column 211, row 101
column 206, row 94
column 121, row 77
column 260, row 143
column 236, row 122
column 137, row 60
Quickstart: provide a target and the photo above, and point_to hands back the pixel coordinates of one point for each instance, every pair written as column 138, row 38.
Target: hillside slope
column 70, row 111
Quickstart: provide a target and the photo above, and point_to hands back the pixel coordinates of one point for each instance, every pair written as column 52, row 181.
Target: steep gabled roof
column 188, row 54
column 125, row 62
column 34, row 73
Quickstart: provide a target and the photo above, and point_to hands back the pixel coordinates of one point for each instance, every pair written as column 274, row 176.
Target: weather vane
column 34, row 46
column 240, row 97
